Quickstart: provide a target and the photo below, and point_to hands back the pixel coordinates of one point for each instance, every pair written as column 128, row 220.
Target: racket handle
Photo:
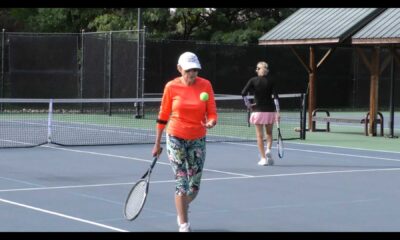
column 159, row 152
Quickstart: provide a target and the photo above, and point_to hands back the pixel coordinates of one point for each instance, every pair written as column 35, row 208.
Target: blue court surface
column 312, row 189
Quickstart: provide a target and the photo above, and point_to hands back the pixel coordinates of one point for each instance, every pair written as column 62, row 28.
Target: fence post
column 82, row 62
column 82, row 67
column 143, row 67
column 110, row 79
column 138, row 74
column 2, row 67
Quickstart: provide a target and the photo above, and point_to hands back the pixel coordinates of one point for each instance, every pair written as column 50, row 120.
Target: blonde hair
column 262, row 68
column 263, row 64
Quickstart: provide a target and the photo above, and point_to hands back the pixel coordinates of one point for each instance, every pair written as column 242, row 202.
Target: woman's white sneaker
column 263, row 162
column 184, row 227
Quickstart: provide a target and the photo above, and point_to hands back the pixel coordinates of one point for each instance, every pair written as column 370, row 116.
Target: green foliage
column 109, row 22
column 51, row 19
column 224, row 25
column 240, row 36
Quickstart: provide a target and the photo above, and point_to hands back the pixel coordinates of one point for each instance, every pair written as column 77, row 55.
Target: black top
column 262, row 88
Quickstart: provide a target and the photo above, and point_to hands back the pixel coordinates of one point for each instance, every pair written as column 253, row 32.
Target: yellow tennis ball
column 203, row 96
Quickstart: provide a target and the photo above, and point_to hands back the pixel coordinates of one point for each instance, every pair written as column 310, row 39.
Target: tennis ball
column 203, row 96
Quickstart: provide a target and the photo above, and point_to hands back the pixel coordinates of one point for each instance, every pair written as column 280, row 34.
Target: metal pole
column 143, row 66
column 110, row 65
column 304, row 116
column 49, row 121
column 138, row 63
column 2, row 67
column 82, row 66
column 82, row 61
column 105, row 69
column 392, row 74
column 110, row 72
column 78, row 76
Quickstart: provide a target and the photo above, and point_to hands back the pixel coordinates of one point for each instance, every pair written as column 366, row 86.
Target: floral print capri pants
column 187, row 161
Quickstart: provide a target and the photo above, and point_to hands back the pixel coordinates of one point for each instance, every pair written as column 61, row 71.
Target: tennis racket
column 137, row 195
column 280, row 141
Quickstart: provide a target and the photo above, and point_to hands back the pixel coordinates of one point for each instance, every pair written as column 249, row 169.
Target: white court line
column 350, row 148
column 71, row 186
column 208, row 179
column 308, row 173
column 325, row 152
column 138, row 159
column 63, row 215
column 308, row 204
column 239, row 176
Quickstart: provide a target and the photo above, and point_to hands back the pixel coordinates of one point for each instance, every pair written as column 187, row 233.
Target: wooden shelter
column 383, row 31
column 315, row 27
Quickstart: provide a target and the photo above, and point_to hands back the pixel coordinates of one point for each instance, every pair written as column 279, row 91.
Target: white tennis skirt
column 262, row 117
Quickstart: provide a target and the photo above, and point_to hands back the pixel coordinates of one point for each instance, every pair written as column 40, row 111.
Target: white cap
column 189, row 60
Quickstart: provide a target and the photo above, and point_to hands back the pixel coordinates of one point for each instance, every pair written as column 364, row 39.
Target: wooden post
column 374, row 86
column 312, row 89
column 311, row 69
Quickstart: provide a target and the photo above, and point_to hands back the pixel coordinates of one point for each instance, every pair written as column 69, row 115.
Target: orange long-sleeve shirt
column 182, row 108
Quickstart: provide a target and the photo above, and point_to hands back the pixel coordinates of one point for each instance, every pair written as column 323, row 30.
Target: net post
column 49, row 121
column 303, row 116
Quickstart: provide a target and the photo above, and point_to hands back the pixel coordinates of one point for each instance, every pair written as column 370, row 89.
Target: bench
column 328, row 119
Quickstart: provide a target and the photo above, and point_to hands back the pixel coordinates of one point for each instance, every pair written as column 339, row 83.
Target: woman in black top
column 263, row 109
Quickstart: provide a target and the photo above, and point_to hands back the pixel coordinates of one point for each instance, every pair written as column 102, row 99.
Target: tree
column 244, row 25
column 221, row 25
column 116, row 19
column 52, row 19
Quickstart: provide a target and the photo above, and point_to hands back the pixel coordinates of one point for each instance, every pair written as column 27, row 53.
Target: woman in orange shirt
column 188, row 118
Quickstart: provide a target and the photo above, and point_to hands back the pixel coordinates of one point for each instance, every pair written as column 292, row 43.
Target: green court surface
column 353, row 138
column 353, row 135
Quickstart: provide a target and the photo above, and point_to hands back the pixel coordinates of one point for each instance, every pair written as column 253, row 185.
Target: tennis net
column 76, row 122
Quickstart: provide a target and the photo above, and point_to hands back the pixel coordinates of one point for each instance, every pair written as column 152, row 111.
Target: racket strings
column 135, row 200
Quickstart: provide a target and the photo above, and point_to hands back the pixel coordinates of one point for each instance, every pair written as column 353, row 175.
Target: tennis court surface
column 315, row 188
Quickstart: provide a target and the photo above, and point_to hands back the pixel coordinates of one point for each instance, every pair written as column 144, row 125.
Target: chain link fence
column 125, row 64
